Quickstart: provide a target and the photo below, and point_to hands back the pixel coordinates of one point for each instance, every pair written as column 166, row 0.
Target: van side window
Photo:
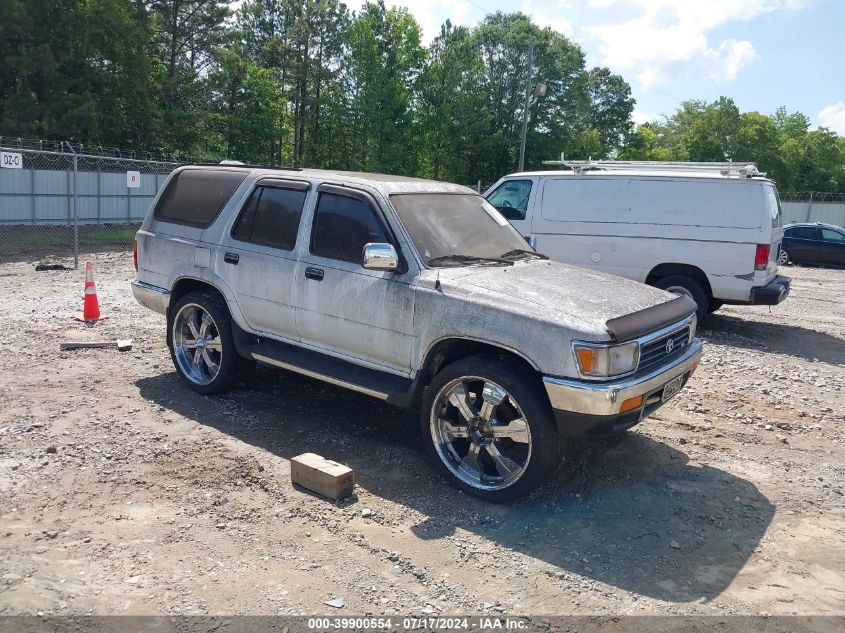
column 271, row 217
column 511, row 198
column 196, row 197
column 342, row 226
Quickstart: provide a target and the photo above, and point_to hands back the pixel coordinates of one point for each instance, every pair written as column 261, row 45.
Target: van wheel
column 490, row 427
column 199, row 335
column 715, row 304
column 682, row 285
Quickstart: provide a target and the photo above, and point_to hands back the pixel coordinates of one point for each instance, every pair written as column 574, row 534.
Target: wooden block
column 321, row 475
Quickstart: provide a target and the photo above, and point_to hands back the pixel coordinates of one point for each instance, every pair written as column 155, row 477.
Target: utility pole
column 527, row 105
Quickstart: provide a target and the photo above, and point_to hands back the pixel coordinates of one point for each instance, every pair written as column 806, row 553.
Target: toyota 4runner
column 415, row 292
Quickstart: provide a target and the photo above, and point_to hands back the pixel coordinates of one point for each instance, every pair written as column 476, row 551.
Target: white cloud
column 833, row 117
column 431, row 14
column 549, row 16
column 731, row 56
column 639, row 117
column 658, row 40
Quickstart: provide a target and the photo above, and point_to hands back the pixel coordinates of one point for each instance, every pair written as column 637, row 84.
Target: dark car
column 813, row 244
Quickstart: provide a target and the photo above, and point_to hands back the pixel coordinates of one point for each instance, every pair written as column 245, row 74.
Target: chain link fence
column 811, row 196
column 61, row 200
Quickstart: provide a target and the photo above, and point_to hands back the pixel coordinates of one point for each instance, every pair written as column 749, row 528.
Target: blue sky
column 762, row 53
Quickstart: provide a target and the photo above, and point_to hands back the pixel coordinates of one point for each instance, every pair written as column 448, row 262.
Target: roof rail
column 725, row 168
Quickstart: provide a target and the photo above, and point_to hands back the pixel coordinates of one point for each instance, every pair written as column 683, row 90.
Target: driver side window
column 511, row 199
column 832, row 236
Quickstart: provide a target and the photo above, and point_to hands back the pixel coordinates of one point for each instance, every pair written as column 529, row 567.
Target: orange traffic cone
column 91, row 307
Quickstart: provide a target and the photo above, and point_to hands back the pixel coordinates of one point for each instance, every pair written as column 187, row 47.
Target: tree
column 75, row 70
column 186, row 37
column 611, row 106
column 822, row 166
column 385, row 59
column 303, row 42
column 757, row 140
column 452, row 108
column 644, row 143
column 504, row 40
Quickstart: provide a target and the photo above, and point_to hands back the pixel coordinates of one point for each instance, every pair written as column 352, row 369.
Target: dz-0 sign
column 11, row 160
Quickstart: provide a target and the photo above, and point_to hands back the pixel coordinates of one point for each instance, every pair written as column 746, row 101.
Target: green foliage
column 453, row 117
column 782, row 144
column 307, row 82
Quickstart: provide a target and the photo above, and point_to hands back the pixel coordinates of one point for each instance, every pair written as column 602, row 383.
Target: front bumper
column 591, row 409
column 772, row 293
column 152, row 297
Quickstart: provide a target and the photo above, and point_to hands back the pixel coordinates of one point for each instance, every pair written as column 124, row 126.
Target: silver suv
column 415, row 292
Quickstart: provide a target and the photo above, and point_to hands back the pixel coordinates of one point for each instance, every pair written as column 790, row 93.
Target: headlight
column 603, row 361
column 693, row 326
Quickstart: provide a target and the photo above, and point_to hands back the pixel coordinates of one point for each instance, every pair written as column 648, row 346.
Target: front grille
column 654, row 353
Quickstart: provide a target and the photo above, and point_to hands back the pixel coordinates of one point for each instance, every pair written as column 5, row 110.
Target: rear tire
column 783, row 258
column 199, row 336
column 490, row 428
column 683, row 285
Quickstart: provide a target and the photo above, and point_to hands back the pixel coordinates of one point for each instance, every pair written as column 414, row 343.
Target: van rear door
column 771, row 204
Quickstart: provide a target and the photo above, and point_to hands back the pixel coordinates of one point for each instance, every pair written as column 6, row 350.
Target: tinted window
column 342, row 226
column 271, row 217
column 196, row 197
column 802, row 232
column 829, row 235
column 511, row 198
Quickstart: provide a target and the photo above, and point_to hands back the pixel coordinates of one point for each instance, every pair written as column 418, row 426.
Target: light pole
column 539, row 91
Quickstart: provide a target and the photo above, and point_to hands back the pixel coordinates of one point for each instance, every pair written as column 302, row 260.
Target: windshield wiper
column 524, row 252
column 467, row 259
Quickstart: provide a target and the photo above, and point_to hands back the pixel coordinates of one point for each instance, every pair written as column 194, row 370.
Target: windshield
column 448, row 224
column 511, row 198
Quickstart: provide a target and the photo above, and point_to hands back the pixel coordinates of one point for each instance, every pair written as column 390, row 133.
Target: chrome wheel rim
column 196, row 344
column 480, row 433
column 783, row 258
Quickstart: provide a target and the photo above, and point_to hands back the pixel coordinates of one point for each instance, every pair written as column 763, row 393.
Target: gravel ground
column 122, row 492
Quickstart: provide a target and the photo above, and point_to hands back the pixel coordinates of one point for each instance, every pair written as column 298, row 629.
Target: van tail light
column 135, row 254
column 761, row 257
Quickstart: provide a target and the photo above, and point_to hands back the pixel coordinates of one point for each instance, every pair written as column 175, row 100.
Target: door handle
column 232, row 258
column 316, row 274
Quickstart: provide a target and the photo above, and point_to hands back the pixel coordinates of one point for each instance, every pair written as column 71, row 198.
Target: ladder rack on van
column 746, row 170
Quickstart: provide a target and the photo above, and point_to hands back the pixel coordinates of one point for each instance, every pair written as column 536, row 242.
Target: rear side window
column 342, row 226
column 195, row 197
column 271, row 217
column 803, row 232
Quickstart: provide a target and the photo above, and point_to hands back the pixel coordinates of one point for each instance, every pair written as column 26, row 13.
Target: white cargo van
column 708, row 230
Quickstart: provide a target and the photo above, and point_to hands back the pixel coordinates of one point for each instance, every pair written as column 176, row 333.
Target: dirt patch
column 122, row 492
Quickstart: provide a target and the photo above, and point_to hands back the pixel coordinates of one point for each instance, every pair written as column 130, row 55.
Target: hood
column 577, row 298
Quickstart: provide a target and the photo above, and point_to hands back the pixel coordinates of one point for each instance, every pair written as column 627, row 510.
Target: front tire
column 490, row 428
column 683, row 285
column 783, row 258
column 199, row 335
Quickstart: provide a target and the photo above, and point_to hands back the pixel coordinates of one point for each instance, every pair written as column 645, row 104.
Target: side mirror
column 380, row 257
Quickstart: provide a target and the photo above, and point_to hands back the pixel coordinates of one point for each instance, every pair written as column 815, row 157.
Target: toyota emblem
column 670, row 344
